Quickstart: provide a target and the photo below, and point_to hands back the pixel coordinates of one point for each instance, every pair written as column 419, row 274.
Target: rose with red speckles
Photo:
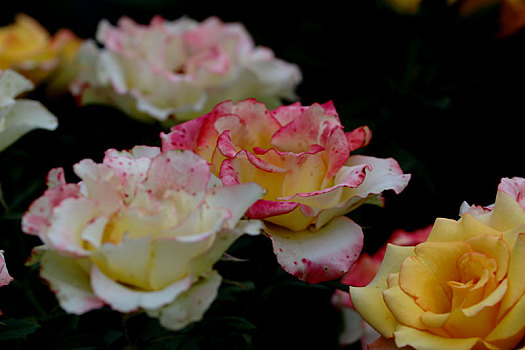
column 301, row 156
column 141, row 231
column 173, row 71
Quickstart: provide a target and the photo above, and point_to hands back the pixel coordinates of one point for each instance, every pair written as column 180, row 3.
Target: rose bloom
column 301, row 156
column 142, row 230
column 461, row 289
column 28, row 48
column 19, row 116
column 359, row 275
column 180, row 69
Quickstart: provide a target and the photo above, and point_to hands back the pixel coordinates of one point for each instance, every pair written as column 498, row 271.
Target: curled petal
column 318, row 256
column 5, row 278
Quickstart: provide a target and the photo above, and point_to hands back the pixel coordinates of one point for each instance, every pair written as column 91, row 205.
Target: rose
column 142, row 230
column 179, row 69
column 359, row 275
column 18, row 117
column 28, row 48
column 301, row 156
column 461, row 289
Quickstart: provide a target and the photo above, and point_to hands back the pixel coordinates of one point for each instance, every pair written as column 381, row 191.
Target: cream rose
column 142, row 230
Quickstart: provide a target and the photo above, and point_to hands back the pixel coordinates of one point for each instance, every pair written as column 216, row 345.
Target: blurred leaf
column 17, row 328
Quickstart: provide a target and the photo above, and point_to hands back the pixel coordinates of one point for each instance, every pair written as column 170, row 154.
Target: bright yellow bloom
column 461, row 289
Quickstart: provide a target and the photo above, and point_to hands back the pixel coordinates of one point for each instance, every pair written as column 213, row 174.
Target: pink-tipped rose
column 141, row 231
column 301, row 156
column 180, row 69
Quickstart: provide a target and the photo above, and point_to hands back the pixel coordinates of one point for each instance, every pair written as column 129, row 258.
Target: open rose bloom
column 141, row 231
column 461, row 289
column 180, row 69
column 28, row 48
column 301, row 156
column 20, row 116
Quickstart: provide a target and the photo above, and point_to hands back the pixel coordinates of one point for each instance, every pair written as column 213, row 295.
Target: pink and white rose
column 301, row 156
column 20, row 116
column 142, row 230
column 179, row 69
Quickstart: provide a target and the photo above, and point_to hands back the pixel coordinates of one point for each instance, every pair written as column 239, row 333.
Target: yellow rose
column 461, row 289
column 28, row 48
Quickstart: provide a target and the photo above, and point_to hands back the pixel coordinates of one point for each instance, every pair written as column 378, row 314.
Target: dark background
column 441, row 94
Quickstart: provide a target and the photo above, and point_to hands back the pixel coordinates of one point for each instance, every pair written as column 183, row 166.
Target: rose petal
column 368, row 301
column 318, row 256
column 406, row 336
column 191, row 305
column 68, row 278
column 5, row 278
column 124, row 299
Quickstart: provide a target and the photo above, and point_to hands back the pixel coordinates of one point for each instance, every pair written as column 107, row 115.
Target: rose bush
column 179, row 69
column 142, row 230
column 301, row 156
column 18, row 117
column 359, row 275
column 461, row 289
column 28, row 48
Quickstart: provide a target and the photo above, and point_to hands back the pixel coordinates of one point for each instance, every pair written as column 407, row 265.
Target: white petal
column 70, row 282
column 190, row 306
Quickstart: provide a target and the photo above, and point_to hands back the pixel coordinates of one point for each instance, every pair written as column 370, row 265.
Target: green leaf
column 17, row 328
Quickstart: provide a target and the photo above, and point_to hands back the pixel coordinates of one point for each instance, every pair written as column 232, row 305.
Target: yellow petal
column 418, row 281
column 422, row 340
column 507, row 213
column 511, row 329
column 368, row 301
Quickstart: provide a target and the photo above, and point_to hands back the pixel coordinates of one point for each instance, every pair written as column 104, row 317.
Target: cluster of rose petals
column 141, row 231
column 180, row 69
column 28, row 48
column 301, row 156
column 359, row 275
column 19, row 116
column 461, row 289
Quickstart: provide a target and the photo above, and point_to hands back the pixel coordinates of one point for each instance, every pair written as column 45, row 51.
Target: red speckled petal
column 318, row 256
column 515, row 187
column 178, row 170
column 359, row 137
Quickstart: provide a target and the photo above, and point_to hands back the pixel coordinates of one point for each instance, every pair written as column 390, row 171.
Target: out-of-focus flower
column 511, row 12
column 359, row 275
column 142, row 230
column 461, row 289
column 18, row 117
column 179, row 69
column 28, row 48
column 301, row 156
